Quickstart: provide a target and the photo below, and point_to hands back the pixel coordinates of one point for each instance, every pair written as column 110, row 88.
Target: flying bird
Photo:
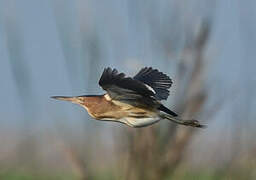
column 134, row 101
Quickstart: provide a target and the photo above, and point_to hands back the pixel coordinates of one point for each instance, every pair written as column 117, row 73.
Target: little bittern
column 134, row 101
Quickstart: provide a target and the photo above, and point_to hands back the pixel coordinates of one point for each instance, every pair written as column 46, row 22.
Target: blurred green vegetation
column 188, row 175
column 20, row 175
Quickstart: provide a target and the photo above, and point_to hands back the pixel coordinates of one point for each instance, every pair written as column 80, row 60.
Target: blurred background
column 60, row 47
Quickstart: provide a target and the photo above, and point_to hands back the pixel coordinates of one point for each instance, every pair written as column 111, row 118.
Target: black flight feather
column 116, row 84
column 159, row 81
column 166, row 110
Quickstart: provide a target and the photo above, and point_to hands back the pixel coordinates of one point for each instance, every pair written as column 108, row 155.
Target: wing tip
column 157, row 80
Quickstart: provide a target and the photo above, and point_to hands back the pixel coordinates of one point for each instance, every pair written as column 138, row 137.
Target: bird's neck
column 92, row 104
column 91, row 101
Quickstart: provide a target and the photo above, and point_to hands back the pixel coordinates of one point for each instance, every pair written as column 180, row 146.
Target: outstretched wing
column 120, row 87
column 158, row 81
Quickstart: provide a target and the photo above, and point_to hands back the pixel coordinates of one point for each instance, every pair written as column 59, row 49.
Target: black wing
column 158, row 81
column 120, row 87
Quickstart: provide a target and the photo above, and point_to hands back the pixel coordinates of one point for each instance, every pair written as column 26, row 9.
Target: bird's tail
column 190, row 122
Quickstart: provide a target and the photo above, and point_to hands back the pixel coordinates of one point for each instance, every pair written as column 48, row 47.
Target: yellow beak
column 73, row 99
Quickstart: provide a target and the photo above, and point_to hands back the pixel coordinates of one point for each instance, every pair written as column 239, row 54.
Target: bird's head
column 81, row 100
column 85, row 101
column 74, row 99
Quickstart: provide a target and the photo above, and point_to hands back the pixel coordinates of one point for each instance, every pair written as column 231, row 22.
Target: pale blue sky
column 56, row 37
